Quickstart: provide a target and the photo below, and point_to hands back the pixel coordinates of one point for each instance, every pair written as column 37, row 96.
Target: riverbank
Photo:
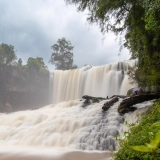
column 140, row 134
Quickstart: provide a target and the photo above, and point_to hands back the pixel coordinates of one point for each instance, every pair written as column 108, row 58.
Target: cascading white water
column 101, row 81
column 68, row 130
column 63, row 131
column 67, row 127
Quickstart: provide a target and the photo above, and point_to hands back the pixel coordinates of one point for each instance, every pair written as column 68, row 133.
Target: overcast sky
column 33, row 26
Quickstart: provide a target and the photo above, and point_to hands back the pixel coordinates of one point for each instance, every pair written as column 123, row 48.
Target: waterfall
column 100, row 81
column 66, row 129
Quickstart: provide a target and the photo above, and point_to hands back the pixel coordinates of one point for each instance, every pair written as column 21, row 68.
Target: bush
column 140, row 135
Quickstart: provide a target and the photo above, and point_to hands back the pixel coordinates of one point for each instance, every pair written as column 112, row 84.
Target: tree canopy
column 7, row 54
column 139, row 21
column 36, row 64
column 7, row 57
column 62, row 57
column 14, row 76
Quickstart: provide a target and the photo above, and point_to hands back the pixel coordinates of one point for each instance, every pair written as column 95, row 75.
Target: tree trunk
column 107, row 105
column 127, row 104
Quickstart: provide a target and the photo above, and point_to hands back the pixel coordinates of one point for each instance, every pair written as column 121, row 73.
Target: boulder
column 90, row 99
column 135, row 91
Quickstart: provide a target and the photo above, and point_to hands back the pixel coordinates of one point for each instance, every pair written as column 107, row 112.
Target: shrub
column 141, row 134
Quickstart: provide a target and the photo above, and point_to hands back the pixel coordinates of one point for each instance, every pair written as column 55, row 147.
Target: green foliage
column 32, row 76
column 106, row 13
column 16, row 77
column 36, row 64
column 152, row 9
column 62, row 57
column 20, row 62
column 7, row 57
column 7, row 54
column 157, row 124
column 141, row 148
column 144, row 137
column 149, row 147
column 139, row 21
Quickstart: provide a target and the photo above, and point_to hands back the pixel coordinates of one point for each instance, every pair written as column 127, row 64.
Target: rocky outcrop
column 135, row 91
column 94, row 99
column 90, row 99
column 127, row 104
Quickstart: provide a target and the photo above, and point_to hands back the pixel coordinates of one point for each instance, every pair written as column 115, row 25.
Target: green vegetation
column 18, row 78
column 7, row 54
column 139, row 21
column 36, row 64
column 62, row 57
column 142, row 140
column 7, row 58
column 149, row 147
column 30, row 80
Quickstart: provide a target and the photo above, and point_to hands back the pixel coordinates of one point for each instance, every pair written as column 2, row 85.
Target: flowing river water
column 66, row 130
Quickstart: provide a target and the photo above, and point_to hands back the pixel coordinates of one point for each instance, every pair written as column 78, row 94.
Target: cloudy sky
column 33, row 26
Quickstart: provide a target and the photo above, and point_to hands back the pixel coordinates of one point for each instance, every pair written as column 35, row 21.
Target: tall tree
column 62, row 57
column 7, row 54
column 7, row 57
column 139, row 21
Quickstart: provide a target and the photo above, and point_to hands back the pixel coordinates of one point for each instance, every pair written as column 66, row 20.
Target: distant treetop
column 62, row 56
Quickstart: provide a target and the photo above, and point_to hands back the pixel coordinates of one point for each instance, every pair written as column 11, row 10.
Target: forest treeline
column 27, row 85
column 18, row 81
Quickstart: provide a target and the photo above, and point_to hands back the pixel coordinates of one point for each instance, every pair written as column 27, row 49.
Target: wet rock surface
column 109, row 103
column 90, row 99
column 127, row 104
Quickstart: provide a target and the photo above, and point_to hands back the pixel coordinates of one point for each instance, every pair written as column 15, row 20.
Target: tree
column 20, row 62
column 139, row 21
column 7, row 57
column 18, row 78
column 36, row 64
column 35, row 72
column 7, row 54
column 62, row 57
